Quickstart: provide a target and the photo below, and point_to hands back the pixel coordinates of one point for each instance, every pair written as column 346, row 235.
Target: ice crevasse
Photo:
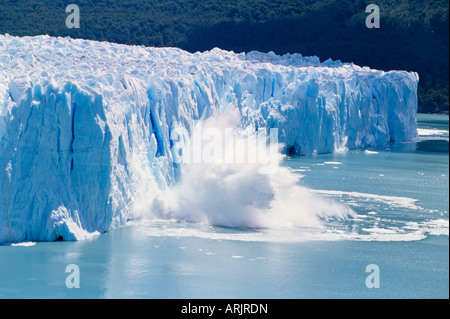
column 85, row 124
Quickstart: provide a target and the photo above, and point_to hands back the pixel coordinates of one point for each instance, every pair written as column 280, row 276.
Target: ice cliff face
column 84, row 125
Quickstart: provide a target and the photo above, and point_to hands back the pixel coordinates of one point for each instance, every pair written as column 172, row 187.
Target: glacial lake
column 399, row 193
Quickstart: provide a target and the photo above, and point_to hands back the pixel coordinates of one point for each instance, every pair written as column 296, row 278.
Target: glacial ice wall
column 84, row 125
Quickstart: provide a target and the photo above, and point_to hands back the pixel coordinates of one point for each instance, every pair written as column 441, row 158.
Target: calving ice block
column 85, row 125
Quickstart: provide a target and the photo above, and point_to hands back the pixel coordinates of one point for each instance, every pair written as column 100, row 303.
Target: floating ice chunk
column 24, row 244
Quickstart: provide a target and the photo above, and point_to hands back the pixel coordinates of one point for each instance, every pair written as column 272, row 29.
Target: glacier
column 85, row 125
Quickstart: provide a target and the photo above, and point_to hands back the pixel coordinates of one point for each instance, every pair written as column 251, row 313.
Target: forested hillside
column 413, row 35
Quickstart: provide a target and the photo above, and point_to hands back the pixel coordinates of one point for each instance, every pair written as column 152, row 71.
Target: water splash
column 237, row 194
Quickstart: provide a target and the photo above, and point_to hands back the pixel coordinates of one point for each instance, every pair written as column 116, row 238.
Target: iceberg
column 85, row 125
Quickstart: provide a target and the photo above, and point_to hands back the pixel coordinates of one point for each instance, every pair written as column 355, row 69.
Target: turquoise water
column 399, row 194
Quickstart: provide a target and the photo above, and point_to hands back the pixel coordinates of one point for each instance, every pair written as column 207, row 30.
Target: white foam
column 238, row 195
column 439, row 227
column 412, row 232
column 376, row 230
column 395, row 201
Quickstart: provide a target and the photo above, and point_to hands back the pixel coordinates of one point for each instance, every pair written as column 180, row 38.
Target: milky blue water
column 399, row 194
